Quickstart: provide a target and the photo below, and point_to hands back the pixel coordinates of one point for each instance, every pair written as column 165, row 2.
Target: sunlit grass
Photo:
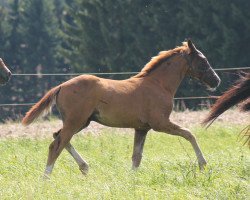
column 168, row 171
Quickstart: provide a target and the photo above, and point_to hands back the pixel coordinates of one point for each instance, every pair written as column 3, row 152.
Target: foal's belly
column 119, row 120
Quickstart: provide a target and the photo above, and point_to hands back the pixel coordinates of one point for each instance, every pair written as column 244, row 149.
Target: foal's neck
column 170, row 73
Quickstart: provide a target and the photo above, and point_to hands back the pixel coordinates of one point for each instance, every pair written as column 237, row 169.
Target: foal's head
column 4, row 73
column 199, row 67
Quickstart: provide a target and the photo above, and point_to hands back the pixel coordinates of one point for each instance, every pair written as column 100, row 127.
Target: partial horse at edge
column 239, row 94
column 5, row 73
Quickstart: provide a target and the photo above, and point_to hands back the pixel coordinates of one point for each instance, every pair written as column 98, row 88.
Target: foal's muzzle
column 212, row 80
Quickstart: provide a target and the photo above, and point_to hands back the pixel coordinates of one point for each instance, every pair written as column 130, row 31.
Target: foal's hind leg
column 139, row 140
column 56, row 148
column 83, row 165
column 174, row 129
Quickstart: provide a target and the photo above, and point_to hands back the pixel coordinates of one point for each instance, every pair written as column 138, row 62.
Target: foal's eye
column 203, row 64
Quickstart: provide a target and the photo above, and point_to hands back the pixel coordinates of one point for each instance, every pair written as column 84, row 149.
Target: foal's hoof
column 135, row 168
column 202, row 165
column 84, row 169
column 46, row 177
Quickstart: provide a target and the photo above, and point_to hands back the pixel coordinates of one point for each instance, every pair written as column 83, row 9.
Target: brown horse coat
column 142, row 102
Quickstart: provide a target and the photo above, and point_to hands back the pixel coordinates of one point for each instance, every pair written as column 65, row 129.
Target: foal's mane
column 160, row 58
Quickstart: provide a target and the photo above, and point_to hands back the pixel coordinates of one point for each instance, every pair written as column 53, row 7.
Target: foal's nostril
column 9, row 73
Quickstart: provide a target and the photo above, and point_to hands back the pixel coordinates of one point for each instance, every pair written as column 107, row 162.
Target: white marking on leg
column 201, row 160
column 83, row 165
column 48, row 169
column 47, row 172
column 77, row 156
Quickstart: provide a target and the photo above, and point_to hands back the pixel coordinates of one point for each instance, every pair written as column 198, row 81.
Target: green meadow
column 168, row 170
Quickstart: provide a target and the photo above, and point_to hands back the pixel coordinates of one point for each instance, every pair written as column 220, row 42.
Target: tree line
column 61, row 36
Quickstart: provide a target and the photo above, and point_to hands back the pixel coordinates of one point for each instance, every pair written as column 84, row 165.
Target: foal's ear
column 191, row 46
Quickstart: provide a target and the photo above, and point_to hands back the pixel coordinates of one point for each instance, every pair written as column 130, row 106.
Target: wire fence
column 116, row 73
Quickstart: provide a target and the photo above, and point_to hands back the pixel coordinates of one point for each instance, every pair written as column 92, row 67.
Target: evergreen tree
column 218, row 27
column 102, row 37
column 81, row 25
column 33, row 39
column 3, row 31
column 40, row 35
column 14, row 53
column 122, row 35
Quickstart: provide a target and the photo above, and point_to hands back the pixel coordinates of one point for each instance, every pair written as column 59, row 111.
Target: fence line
column 76, row 74
column 177, row 98
column 116, row 73
column 188, row 98
column 16, row 104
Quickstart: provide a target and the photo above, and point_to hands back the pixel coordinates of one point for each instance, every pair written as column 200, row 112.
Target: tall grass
column 168, row 170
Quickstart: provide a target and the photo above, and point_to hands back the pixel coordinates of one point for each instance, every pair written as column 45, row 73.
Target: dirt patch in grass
column 45, row 128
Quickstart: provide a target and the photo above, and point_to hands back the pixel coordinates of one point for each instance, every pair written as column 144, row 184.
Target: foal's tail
column 41, row 106
column 236, row 94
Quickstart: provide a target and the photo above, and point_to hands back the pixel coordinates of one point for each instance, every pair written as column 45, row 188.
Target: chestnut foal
column 142, row 102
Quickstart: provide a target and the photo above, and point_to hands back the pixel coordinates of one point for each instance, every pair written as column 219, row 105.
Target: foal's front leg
column 139, row 140
column 174, row 129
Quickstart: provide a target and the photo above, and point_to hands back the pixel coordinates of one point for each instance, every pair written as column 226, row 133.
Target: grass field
column 168, row 170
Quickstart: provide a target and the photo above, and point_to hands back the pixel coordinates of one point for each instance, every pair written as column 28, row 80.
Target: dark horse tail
column 236, row 94
column 41, row 106
column 240, row 92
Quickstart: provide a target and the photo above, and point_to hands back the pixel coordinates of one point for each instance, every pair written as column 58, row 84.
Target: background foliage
column 44, row 36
